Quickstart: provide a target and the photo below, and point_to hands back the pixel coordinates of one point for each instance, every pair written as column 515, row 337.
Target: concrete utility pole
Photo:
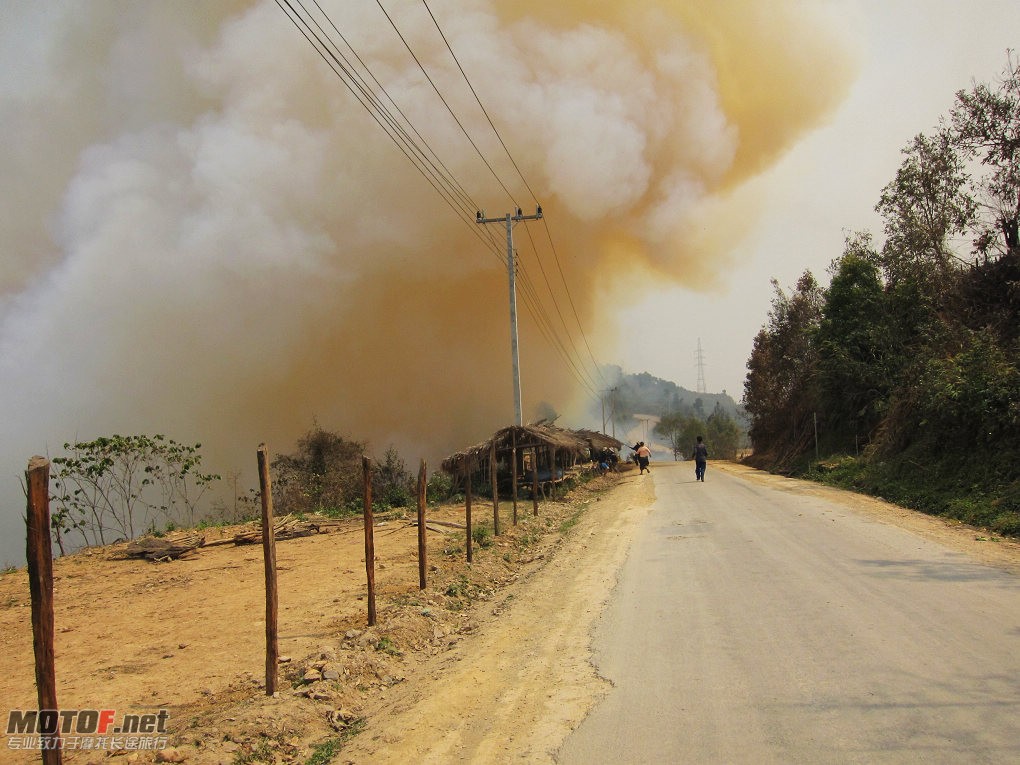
column 509, row 220
column 612, row 410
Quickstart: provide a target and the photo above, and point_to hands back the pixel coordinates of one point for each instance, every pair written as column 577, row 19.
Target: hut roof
column 523, row 437
column 599, row 440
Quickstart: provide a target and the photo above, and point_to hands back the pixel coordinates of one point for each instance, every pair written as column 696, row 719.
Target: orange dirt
column 188, row 635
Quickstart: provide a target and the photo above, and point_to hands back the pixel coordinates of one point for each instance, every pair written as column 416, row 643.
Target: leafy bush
column 1007, row 523
column 324, row 475
column 392, row 484
column 481, row 533
column 440, row 487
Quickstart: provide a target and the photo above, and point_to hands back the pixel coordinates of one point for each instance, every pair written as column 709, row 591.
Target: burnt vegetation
column 907, row 366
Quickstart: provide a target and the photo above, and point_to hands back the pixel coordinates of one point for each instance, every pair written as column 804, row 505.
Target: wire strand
column 446, row 104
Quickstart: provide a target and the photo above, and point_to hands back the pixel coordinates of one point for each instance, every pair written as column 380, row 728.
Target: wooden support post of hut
column 366, row 470
column 40, row 584
column 269, row 559
column 421, row 527
column 513, row 471
column 534, row 480
column 552, row 472
column 495, row 488
column 467, row 510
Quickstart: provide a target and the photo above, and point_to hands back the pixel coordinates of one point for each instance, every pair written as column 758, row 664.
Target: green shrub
column 439, row 487
column 482, row 535
column 1007, row 523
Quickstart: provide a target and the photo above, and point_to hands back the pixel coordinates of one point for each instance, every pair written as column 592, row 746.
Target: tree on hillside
column 722, row 434
column 926, row 205
column 857, row 365
column 986, row 122
column 780, row 390
column 924, row 355
column 679, row 430
column 970, row 398
column 986, row 127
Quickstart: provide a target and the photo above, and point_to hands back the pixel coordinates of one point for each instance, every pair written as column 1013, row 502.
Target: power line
column 440, row 180
column 426, row 161
column 446, row 104
column 533, row 195
column 342, row 67
column 566, row 288
column 548, row 331
column 462, row 192
column 479, row 102
column 556, row 305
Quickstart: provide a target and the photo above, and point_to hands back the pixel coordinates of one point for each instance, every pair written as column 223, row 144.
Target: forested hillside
column 902, row 377
column 644, row 393
column 682, row 413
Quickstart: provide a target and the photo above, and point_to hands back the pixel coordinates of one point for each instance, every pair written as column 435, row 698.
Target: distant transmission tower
column 700, row 357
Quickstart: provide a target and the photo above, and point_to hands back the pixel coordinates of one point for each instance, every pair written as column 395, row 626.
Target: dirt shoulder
column 515, row 691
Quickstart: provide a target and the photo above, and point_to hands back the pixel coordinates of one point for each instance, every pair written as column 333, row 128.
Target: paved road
column 755, row 622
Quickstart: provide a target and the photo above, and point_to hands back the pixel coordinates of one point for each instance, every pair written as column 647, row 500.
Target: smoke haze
column 204, row 235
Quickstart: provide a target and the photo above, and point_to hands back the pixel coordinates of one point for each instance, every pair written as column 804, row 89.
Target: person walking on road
column 700, row 457
column 643, row 454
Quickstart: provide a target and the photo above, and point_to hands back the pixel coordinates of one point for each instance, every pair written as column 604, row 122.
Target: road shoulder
column 516, row 688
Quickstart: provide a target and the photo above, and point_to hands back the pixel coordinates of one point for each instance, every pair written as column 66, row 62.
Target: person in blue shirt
column 700, row 457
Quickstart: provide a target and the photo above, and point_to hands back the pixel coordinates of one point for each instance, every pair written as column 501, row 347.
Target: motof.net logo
column 86, row 728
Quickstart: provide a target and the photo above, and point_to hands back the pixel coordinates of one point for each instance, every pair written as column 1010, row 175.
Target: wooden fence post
column 495, row 488
column 513, row 471
column 467, row 512
column 269, row 559
column 366, row 469
column 40, row 583
column 421, row 527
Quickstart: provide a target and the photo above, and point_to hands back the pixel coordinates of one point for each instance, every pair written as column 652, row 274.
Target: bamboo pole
column 366, row 470
column 467, row 513
column 495, row 488
column 269, row 559
column 422, row 584
column 40, row 583
column 513, row 471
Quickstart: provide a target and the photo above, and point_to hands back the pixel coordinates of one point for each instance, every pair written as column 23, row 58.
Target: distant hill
column 646, row 395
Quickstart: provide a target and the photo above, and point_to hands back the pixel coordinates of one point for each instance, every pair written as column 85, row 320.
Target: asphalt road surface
column 755, row 622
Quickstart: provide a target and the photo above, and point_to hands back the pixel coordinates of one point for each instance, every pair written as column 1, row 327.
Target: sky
column 912, row 57
column 204, row 235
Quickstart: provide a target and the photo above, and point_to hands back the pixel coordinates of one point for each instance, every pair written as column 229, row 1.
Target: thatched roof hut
column 599, row 441
column 561, row 443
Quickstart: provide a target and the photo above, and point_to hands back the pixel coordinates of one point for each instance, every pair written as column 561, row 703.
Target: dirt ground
column 188, row 635
column 489, row 664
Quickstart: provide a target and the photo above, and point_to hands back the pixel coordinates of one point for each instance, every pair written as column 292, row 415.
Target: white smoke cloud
column 205, row 236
